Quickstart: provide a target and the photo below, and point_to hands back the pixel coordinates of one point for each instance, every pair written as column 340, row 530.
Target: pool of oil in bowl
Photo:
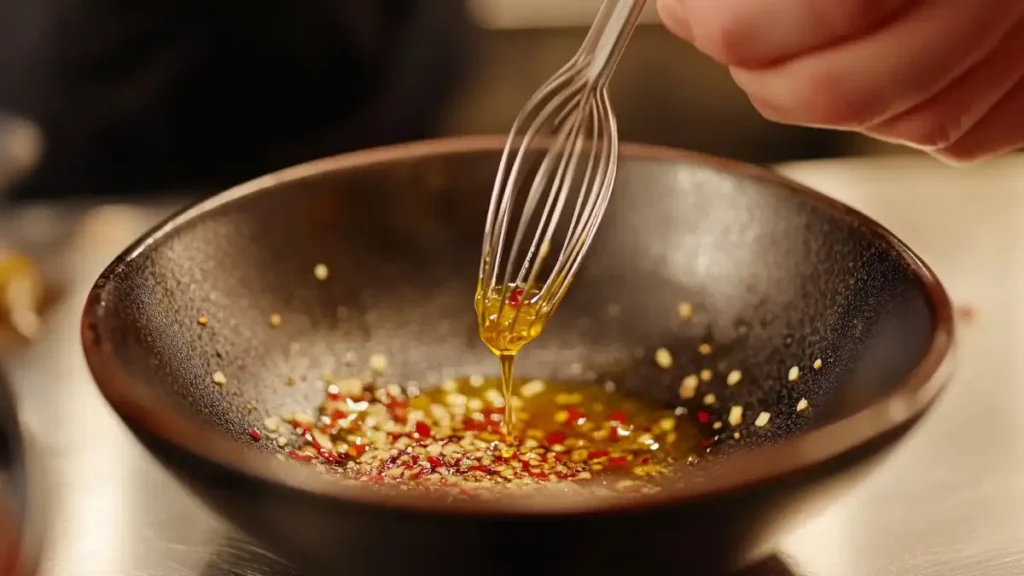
column 453, row 436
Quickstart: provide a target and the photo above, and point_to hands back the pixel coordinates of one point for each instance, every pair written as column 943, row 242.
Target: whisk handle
column 608, row 35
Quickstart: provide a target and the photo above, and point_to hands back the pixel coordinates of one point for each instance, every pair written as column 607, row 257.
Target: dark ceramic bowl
column 780, row 275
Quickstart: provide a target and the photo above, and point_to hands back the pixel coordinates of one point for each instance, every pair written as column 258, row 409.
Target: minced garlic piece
column 219, row 378
column 736, row 415
column 817, row 364
column 801, row 405
column 762, row 419
column 663, row 358
column 321, row 272
column 688, row 387
column 532, row 388
column 734, row 378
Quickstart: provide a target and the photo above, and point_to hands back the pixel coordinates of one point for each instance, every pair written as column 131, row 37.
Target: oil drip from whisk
column 509, row 318
column 507, row 362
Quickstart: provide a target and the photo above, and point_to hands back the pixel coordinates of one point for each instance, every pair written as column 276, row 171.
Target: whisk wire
column 570, row 119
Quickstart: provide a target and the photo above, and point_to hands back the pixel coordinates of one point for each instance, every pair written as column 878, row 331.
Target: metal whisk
column 570, row 120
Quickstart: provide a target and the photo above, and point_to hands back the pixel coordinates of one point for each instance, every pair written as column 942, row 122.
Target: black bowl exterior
column 781, row 275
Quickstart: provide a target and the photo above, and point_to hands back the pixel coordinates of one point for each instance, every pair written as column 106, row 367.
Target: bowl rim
column 143, row 410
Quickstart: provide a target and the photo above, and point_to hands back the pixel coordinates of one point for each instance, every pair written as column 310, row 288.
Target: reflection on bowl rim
column 144, row 409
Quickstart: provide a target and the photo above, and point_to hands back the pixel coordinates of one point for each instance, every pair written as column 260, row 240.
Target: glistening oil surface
column 452, row 437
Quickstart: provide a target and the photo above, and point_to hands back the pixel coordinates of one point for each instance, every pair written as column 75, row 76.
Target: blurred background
column 172, row 96
column 152, row 105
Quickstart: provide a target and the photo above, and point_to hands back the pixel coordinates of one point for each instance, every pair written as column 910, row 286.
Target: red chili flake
column 595, row 454
column 300, row 456
column 556, row 438
column 539, row 475
column 398, row 410
column 479, row 468
column 617, row 417
column 356, row 450
column 434, row 462
column 708, row 442
column 474, row 425
column 515, row 298
column 613, row 434
column 423, row 429
column 617, row 462
column 255, row 434
column 703, row 417
column 337, row 414
column 645, row 460
column 575, row 415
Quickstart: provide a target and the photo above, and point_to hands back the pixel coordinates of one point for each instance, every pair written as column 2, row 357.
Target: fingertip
column 673, row 15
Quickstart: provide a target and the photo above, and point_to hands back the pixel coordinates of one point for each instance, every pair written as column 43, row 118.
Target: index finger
column 758, row 33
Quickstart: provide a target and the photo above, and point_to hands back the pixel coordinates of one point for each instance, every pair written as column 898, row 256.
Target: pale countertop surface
column 950, row 502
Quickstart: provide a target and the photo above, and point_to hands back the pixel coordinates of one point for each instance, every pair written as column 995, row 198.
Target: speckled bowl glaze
column 779, row 275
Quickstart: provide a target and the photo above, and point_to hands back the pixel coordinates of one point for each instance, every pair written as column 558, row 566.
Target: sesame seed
column 378, row 363
column 663, row 358
column 717, row 425
column 704, row 349
column 685, row 310
column 321, row 272
column 688, row 387
column 794, row 373
column 275, row 320
column 709, row 399
column 801, row 405
column 734, row 378
column 705, row 375
column 219, row 378
column 762, row 419
column 817, row 364
column 736, row 415
column 203, row 320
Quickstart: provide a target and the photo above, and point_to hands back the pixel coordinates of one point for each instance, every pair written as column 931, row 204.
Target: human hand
column 945, row 76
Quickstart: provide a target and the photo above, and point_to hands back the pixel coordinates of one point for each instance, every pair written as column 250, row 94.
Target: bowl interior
column 779, row 277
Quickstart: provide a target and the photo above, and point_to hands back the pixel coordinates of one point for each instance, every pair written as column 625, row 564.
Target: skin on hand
column 946, row 76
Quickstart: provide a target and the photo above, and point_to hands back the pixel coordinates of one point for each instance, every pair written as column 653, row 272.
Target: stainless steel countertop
column 949, row 503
